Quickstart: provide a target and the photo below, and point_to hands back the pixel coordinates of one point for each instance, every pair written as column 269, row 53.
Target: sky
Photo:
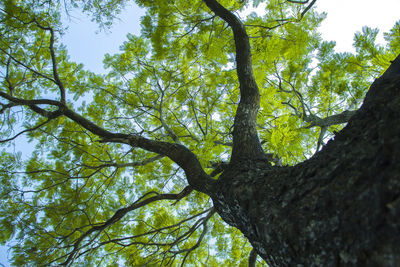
column 88, row 46
column 344, row 18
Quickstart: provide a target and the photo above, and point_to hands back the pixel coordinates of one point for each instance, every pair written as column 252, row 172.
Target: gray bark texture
column 339, row 208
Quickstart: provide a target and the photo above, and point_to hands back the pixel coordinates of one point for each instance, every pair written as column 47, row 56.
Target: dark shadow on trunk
column 341, row 207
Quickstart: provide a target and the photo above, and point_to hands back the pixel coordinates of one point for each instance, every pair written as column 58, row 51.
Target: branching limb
column 4, row 107
column 180, row 154
column 191, row 103
column 283, row 21
column 155, row 239
column 305, row 113
column 56, row 78
column 11, row 87
column 303, row 3
column 170, row 132
column 54, row 61
column 205, row 229
column 246, row 144
column 27, row 67
column 119, row 214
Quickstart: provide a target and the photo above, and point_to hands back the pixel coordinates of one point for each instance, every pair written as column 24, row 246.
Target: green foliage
column 176, row 82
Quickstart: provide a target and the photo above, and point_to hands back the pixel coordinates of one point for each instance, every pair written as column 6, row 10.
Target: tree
column 205, row 113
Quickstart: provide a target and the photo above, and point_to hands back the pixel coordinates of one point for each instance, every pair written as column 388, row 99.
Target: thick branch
column 26, row 102
column 181, row 155
column 307, row 8
column 340, row 118
column 246, row 144
column 253, row 258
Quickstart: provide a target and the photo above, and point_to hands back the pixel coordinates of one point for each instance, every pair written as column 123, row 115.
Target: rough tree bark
column 341, row 207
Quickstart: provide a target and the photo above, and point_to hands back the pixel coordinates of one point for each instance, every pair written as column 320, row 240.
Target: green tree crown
column 86, row 195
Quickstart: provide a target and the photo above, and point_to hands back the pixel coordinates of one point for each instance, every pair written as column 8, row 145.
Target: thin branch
column 196, row 119
column 205, row 229
column 123, row 165
column 298, row 2
column 54, row 61
column 170, row 132
column 25, row 131
column 279, row 24
column 217, row 142
column 180, row 154
column 27, row 67
column 119, row 214
column 11, row 87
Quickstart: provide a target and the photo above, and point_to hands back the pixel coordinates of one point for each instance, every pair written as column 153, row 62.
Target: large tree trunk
column 341, row 207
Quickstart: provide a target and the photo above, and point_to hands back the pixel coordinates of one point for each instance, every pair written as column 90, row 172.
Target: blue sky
column 87, row 45
column 344, row 19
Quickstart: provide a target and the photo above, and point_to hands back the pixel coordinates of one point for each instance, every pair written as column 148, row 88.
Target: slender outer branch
column 246, row 144
column 122, row 212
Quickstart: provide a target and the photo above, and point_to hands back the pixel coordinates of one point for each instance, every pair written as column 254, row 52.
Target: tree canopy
column 123, row 160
